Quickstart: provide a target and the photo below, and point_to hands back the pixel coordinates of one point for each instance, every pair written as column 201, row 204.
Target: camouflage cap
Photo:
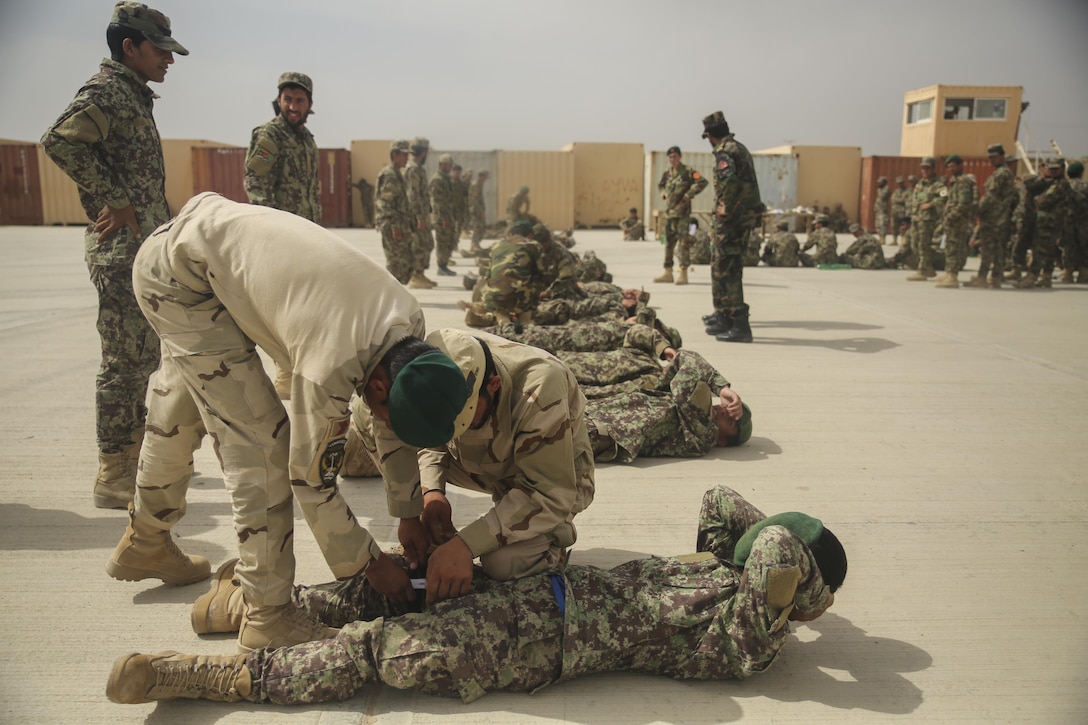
column 457, row 167
column 445, row 159
column 154, row 25
column 855, row 228
column 541, row 233
column 899, row 179
column 928, row 161
column 294, row 78
column 714, row 120
column 953, row 159
column 912, row 177
column 400, row 145
column 419, row 143
column 523, row 190
column 995, row 149
column 1055, row 163
column 882, row 178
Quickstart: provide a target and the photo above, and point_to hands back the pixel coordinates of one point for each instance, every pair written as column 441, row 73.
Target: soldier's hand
column 389, row 579
column 414, row 539
column 438, row 518
column 449, row 572
column 110, row 220
column 731, row 402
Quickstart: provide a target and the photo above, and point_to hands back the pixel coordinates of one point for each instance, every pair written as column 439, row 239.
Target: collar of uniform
column 130, row 76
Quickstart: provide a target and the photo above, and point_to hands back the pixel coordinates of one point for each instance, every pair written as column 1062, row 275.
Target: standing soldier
column 444, row 214
column 419, row 201
column 678, row 185
column 928, row 195
column 900, row 206
column 1075, row 236
column 959, row 211
column 393, row 215
column 366, row 200
column 736, row 212
column 1052, row 205
column 107, row 142
column 882, row 207
column 477, row 210
column 460, row 201
column 994, row 214
column 281, row 166
column 517, row 207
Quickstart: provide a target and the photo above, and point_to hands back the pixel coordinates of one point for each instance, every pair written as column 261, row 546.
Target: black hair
column 116, row 35
column 718, row 131
column 831, row 558
column 635, row 210
column 402, row 353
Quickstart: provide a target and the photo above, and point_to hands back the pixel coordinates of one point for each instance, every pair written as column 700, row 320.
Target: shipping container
column 368, row 158
column 608, row 181
column 826, row 175
column 60, row 195
column 20, row 184
column 477, row 161
column 942, row 120
column 177, row 157
column 334, row 172
column 220, row 170
column 550, row 178
column 873, row 167
column 777, row 177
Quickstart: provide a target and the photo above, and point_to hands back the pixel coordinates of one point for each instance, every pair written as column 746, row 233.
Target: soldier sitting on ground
column 823, row 238
column 633, row 228
column 782, row 249
column 865, row 253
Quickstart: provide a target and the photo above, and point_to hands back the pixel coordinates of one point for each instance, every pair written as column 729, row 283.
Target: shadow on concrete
column 848, row 344
column 813, row 325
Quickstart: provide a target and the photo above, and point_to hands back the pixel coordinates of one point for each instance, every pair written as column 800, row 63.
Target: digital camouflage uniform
column 671, row 420
column 959, row 212
column 994, row 218
column 751, row 251
column 517, row 207
column 865, row 253
column 924, row 221
column 214, row 294
column 419, row 202
column 633, row 229
column 1052, row 207
column 1024, row 217
column 396, row 221
column 679, row 186
column 281, row 169
column 559, row 269
column 782, row 250
column 633, row 366
column 477, row 211
column 532, row 455
column 701, row 246
column 460, row 207
column 581, row 335
column 443, row 216
column 515, row 277
column 737, row 202
column 900, row 206
column 881, row 209
column 107, row 142
column 592, row 268
column 827, row 248
column 1075, row 236
column 697, row 617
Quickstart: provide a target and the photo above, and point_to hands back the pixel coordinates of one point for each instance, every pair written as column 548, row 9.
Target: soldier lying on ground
column 720, row 614
column 585, row 335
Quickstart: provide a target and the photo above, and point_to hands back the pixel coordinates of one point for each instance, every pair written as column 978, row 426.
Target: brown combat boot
column 918, row 276
column 418, row 281
column 221, row 608
column 147, row 552
column 115, row 485
column 996, row 280
column 1027, row 281
column 478, row 316
column 1067, row 276
column 682, row 276
column 976, row 281
column 665, row 276
column 950, row 280
column 137, row 678
column 279, row 626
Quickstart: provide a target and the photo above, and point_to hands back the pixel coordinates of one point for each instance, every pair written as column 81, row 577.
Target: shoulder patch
column 330, row 452
column 943, row 192
column 695, row 175
column 723, row 164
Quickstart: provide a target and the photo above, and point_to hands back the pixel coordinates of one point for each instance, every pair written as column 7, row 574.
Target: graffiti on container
column 609, row 198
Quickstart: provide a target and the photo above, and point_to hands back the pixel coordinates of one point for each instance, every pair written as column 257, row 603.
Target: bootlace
column 302, row 621
column 173, row 550
column 200, row 676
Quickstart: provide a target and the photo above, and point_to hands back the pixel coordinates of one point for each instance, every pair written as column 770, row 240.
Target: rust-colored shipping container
column 220, row 170
column 177, row 156
column 20, row 184
column 873, row 167
column 334, row 172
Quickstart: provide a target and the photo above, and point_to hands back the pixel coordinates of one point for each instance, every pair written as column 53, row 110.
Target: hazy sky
column 477, row 74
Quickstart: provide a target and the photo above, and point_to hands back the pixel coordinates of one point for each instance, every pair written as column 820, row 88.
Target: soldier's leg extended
column 130, row 351
column 728, row 282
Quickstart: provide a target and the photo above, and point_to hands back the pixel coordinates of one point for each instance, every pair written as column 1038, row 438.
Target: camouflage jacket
column 883, row 200
column 515, row 276
column 736, row 188
column 391, row 200
column 1000, row 198
column 419, row 200
column 107, row 142
column 900, row 203
column 583, row 335
column 672, row 419
column 476, row 208
column 460, row 198
column 281, row 169
column 927, row 191
column 560, row 272
column 865, row 253
column 782, row 250
column 679, row 186
column 827, row 246
column 443, row 204
column 1054, row 204
column 1079, row 212
column 635, row 365
column 517, row 206
column 961, row 205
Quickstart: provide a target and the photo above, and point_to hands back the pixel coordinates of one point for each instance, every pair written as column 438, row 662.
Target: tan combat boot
column 1067, row 276
column 950, row 280
column 137, row 678
column 279, row 626
column 1014, row 275
column 918, row 276
column 996, row 280
column 416, row 281
column 1027, row 281
column 147, row 552
column 115, row 485
column 976, row 281
column 665, row 276
column 221, row 608
column 478, row 316
column 682, row 276
column 427, row 280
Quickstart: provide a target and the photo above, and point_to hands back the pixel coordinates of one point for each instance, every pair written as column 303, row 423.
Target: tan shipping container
column 60, row 195
column 20, row 184
column 368, row 158
column 177, row 155
column 608, row 181
column 826, row 175
column 550, row 178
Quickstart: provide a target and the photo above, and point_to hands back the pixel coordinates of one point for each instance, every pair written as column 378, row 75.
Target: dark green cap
column 425, row 400
column 953, row 159
column 805, row 527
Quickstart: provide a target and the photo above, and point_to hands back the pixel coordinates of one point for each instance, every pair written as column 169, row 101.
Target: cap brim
column 165, row 42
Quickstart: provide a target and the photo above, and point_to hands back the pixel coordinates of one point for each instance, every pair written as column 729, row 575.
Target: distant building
column 942, row 120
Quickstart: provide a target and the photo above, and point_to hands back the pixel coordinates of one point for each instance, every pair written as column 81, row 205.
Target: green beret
column 425, row 400
column 953, row 159
column 744, row 427
column 1076, row 168
column 805, row 527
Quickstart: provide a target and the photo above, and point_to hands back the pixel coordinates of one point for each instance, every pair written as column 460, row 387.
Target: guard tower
column 942, row 120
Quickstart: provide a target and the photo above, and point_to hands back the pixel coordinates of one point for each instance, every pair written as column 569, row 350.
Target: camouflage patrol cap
column 928, row 161
column 714, row 120
column 673, row 150
column 1055, row 163
column 419, row 143
column 855, row 227
column 953, row 159
column 294, row 78
column 445, row 159
column 154, row 25
column 912, row 177
column 541, row 233
column 456, row 167
column 400, row 145
column 995, row 149
column 899, row 179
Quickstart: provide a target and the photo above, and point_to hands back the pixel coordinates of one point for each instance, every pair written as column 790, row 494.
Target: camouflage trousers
column 445, row 239
column 398, row 254
column 478, row 226
column 922, row 238
column 422, row 245
column 881, row 224
column 130, row 351
column 992, row 239
column 955, row 244
column 513, row 636
column 727, row 268
column 1075, row 244
column 1021, row 242
column 677, row 240
column 1045, row 250
column 210, row 379
column 584, row 336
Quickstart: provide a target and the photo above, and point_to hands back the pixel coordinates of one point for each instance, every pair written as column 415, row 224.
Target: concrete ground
column 935, row 430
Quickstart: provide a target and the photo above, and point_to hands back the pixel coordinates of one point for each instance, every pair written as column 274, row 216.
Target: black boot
column 707, row 319
column 739, row 332
column 719, row 324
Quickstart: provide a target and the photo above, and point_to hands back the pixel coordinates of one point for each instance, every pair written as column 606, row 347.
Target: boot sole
column 102, row 501
column 133, row 574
